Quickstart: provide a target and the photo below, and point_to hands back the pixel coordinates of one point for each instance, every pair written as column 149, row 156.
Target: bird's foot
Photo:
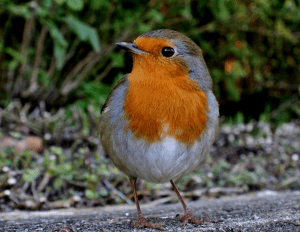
column 189, row 217
column 142, row 223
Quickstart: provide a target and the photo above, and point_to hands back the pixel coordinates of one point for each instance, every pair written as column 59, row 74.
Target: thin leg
column 187, row 215
column 141, row 220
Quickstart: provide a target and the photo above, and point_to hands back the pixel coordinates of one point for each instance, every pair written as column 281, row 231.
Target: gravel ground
column 262, row 211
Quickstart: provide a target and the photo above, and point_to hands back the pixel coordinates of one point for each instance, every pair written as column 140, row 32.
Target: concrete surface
column 263, row 211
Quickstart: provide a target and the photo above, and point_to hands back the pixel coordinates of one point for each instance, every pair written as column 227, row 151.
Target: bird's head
column 169, row 53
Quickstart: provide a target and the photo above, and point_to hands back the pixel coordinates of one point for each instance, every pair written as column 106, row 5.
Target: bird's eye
column 167, row 51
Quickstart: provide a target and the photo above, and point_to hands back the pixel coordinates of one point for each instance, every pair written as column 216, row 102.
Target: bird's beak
column 131, row 47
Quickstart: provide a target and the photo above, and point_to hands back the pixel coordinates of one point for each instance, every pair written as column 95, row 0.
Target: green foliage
column 68, row 34
column 91, row 194
column 60, row 44
column 83, row 32
column 62, row 167
column 248, row 46
column 30, row 175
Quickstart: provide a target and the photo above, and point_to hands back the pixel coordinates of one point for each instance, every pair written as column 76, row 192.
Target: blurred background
column 58, row 62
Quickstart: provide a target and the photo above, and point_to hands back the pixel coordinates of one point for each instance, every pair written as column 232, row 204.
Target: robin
column 159, row 121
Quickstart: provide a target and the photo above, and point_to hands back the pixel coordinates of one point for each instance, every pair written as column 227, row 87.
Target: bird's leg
column 187, row 215
column 141, row 220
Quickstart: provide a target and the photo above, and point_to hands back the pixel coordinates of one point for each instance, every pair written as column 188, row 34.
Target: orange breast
column 162, row 101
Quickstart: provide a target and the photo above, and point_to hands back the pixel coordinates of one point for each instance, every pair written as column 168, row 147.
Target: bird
column 159, row 121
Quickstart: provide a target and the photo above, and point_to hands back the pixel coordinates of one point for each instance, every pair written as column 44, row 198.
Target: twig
column 5, row 193
column 27, row 35
column 208, row 27
column 77, row 183
column 84, row 72
column 24, row 188
column 61, row 203
column 44, row 182
column 51, row 67
column 289, row 182
column 120, row 194
column 104, row 73
column 38, row 54
column 195, row 193
column 72, row 50
column 67, row 86
column 33, row 190
column 285, row 105
column 95, row 121
column 3, row 34
column 30, row 204
column 216, row 191
column 37, row 60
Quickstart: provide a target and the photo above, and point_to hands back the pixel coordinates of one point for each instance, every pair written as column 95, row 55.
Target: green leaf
column 93, row 178
column 43, row 78
column 75, row 5
column 96, row 4
column 84, row 31
column 239, row 117
column 91, row 194
column 15, row 54
column 103, row 192
column 94, row 91
column 56, row 150
column 266, row 5
column 85, row 123
column 238, row 70
column 59, row 2
column 118, row 60
column 223, row 11
column 156, row 15
column 143, row 27
column 58, row 182
column 20, row 10
column 296, row 109
column 30, row 174
column 56, row 35
column 47, row 3
column 258, row 75
column 94, row 39
column 186, row 13
column 60, row 53
column 63, row 168
column 285, row 31
column 60, row 44
column 233, row 93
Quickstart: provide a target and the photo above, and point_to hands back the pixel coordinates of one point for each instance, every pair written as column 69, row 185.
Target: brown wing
column 117, row 85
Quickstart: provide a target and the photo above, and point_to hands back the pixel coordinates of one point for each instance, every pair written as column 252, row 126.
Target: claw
column 141, row 220
column 189, row 217
column 142, row 223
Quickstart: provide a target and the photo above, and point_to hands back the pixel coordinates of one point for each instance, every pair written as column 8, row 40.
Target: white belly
column 156, row 162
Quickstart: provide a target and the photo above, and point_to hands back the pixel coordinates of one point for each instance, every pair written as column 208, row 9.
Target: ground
column 261, row 211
